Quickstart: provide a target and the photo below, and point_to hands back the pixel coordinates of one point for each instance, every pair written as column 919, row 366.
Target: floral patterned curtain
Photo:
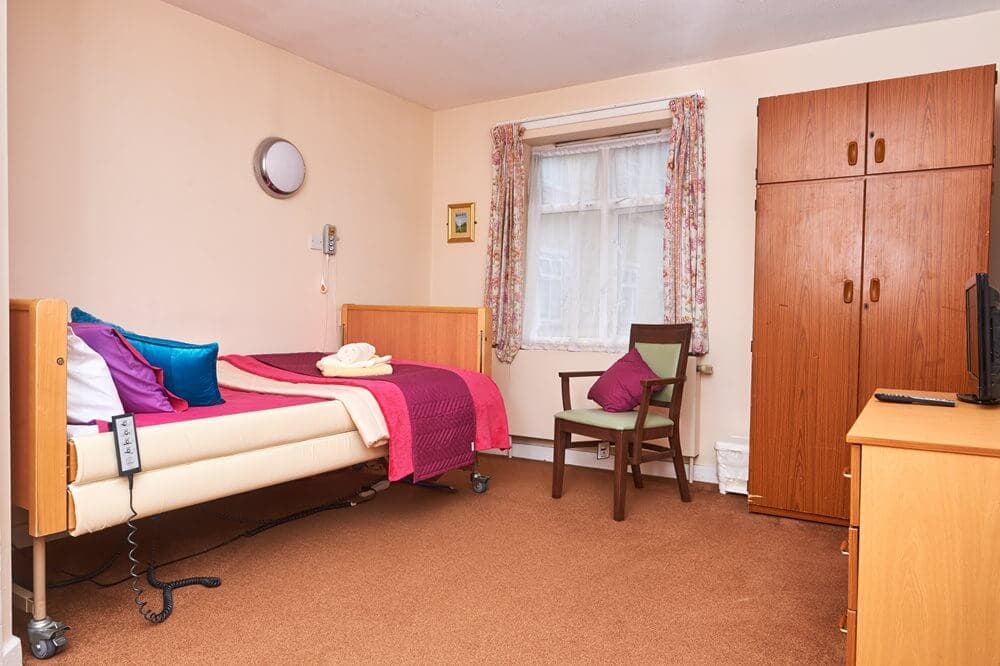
column 505, row 271
column 684, row 221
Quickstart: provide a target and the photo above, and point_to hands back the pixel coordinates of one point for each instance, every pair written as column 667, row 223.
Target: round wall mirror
column 279, row 167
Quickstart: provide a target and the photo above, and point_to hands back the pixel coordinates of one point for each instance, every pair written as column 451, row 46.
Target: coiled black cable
column 360, row 496
column 167, row 588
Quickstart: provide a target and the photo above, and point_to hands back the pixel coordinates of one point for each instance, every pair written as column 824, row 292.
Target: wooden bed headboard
column 459, row 337
column 38, row 412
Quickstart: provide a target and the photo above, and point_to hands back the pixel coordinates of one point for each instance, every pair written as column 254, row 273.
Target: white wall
column 732, row 87
column 133, row 124
column 10, row 646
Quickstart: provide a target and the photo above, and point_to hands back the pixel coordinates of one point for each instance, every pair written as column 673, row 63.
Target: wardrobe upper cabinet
column 811, row 135
column 931, row 121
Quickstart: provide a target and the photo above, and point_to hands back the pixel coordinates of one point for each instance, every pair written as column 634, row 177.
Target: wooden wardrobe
column 873, row 213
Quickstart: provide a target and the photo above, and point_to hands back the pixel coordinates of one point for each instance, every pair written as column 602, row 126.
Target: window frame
column 609, row 245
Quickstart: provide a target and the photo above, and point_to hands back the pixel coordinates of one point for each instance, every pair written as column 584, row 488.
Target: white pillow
column 90, row 390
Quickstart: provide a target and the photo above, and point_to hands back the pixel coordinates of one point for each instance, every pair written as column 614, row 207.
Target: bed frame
column 43, row 461
column 456, row 337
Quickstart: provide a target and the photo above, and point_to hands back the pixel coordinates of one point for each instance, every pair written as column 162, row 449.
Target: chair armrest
column 648, row 386
column 661, row 381
column 566, row 376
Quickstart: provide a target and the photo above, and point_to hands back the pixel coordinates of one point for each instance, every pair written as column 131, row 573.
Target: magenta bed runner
column 437, row 417
column 234, row 402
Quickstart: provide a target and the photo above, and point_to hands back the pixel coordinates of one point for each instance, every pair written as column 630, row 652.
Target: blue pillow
column 188, row 370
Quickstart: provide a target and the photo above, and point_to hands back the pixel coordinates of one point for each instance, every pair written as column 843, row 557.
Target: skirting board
column 10, row 652
column 587, row 457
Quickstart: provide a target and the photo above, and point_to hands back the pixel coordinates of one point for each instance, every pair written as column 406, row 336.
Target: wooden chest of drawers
column 924, row 539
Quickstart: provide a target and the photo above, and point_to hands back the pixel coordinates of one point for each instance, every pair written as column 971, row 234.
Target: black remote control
column 914, row 399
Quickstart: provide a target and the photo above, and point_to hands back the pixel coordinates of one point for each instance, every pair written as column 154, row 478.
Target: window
column 595, row 243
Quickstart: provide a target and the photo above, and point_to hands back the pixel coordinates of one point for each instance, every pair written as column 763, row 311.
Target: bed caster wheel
column 480, row 483
column 47, row 637
column 45, row 649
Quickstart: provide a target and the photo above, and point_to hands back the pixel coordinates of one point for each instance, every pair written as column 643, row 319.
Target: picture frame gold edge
column 464, row 238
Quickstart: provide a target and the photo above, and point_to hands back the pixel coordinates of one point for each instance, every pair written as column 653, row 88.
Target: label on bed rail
column 126, row 444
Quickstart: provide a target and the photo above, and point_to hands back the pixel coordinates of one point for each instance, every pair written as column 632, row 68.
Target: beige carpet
column 512, row 576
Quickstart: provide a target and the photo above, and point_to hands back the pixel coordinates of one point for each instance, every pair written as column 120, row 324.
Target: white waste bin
column 733, row 461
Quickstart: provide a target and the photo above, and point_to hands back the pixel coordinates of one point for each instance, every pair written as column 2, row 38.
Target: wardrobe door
column 931, row 121
column 926, row 235
column 811, row 135
column 805, row 345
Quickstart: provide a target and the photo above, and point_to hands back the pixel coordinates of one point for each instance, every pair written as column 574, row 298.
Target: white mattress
column 172, row 444
column 102, row 504
column 190, row 462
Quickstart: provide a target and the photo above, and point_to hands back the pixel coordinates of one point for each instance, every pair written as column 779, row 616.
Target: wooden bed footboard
column 38, row 412
column 454, row 336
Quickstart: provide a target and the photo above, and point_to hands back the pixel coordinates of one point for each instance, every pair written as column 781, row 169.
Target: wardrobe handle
column 848, row 291
column 879, row 150
column 852, row 153
column 874, row 290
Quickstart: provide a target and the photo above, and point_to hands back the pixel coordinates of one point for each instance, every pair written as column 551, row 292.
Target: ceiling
column 445, row 53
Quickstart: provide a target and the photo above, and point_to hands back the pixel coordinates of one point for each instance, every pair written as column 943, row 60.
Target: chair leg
column 558, row 459
column 636, row 472
column 620, row 465
column 682, row 481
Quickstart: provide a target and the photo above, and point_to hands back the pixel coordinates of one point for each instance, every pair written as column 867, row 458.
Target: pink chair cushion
column 619, row 389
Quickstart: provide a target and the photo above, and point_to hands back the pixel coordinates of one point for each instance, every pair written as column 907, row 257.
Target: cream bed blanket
column 360, row 403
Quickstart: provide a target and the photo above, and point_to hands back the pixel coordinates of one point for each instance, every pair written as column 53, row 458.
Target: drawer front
column 849, row 627
column 852, row 568
column 854, row 474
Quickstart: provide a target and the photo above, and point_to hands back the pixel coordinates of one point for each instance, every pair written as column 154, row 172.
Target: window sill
column 575, row 347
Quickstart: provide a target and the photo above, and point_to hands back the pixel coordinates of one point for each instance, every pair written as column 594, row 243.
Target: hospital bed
column 72, row 485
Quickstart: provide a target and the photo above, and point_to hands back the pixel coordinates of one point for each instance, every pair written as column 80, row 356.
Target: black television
column 982, row 340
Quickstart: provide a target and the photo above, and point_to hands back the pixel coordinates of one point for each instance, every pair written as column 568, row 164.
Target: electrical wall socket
column 603, row 450
column 316, row 242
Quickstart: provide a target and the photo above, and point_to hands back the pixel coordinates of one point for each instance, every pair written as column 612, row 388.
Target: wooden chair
column 664, row 347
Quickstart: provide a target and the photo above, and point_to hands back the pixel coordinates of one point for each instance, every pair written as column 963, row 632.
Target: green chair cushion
column 661, row 359
column 613, row 420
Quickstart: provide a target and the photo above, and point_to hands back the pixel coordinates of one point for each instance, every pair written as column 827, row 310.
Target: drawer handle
column 852, row 153
column 843, row 548
column 847, row 472
column 848, row 291
column 879, row 150
column 843, row 623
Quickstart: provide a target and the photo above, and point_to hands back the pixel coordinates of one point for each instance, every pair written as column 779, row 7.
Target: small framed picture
column 461, row 222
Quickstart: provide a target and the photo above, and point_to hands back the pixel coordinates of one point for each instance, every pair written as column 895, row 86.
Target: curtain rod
column 604, row 139
column 598, row 109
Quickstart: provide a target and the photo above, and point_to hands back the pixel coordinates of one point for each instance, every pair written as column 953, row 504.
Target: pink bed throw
column 437, row 417
column 234, row 402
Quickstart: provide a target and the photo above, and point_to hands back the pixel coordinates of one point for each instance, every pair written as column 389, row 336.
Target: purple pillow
column 619, row 389
column 139, row 384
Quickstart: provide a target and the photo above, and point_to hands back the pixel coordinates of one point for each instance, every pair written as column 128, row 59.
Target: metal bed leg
column 46, row 636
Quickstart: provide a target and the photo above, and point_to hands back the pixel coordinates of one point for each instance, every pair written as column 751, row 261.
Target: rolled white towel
column 332, row 361
column 354, row 353
column 355, row 371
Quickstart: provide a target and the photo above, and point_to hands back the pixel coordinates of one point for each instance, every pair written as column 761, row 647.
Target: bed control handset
column 126, row 445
